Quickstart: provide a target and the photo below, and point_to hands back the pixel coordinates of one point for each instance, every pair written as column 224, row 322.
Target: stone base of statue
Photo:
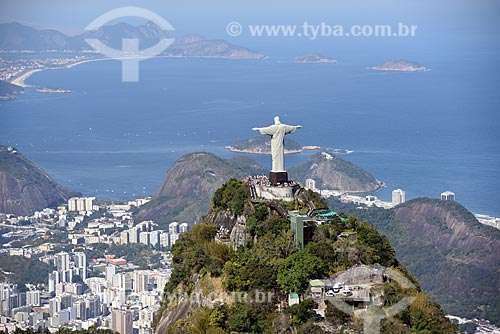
column 278, row 178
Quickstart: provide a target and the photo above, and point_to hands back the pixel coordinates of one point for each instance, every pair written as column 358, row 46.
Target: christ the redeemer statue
column 278, row 131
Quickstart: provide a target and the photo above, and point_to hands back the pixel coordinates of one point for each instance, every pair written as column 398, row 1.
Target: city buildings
column 80, row 204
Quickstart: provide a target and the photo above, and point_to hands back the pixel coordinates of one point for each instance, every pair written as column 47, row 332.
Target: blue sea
column 424, row 132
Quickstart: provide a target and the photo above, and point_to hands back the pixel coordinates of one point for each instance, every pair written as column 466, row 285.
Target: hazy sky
column 210, row 16
column 439, row 22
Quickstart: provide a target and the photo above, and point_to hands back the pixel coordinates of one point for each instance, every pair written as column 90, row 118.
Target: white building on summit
column 448, row 196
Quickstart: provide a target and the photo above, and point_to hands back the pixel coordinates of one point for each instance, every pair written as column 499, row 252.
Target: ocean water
column 424, row 132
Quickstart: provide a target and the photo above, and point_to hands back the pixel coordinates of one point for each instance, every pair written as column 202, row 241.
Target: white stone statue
column 278, row 131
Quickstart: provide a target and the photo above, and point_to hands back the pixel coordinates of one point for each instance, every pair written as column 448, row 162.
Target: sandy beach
column 19, row 81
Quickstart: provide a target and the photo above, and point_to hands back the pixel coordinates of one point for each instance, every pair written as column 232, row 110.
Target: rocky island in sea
column 262, row 145
column 401, row 65
column 313, row 58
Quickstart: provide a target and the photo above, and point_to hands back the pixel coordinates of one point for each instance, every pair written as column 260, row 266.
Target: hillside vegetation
column 455, row 258
column 21, row 270
column 271, row 263
column 332, row 172
column 25, row 187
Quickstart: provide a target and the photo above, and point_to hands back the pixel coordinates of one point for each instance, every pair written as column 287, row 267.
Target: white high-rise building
column 110, row 272
column 448, row 196
column 80, row 264
column 173, row 238
column 33, row 298
column 53, row 280
column 173, row 228
column 62, row 261
column 310, row 184
column 63, row 268
column 398, row 196
column 144, row 238
column 81, row 203
column 133, row 235
column 154, row 238
column 184, row 227
column 164, row 239
column 124, row 237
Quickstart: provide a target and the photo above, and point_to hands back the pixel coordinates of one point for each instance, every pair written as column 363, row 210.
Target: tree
column 300, row 313
column 296, row 271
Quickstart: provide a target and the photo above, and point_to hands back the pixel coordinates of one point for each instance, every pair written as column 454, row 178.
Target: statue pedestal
column 278, row 178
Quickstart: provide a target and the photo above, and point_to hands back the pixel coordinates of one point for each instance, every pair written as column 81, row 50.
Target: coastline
column 20, row 80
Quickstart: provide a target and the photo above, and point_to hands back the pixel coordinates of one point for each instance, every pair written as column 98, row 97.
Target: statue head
column 277, row 120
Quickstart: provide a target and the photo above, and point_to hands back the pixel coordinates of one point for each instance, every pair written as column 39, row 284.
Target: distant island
column 401, row 65
column 313, row 58
column 9, row 91
column 52, row 90
column 262, row 145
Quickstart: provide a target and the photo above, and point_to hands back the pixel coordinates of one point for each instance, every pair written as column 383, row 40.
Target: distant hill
column 8, row 90
column 401, row 65
column 262, row 145
column 15, row 36
column 455, row 258
column 25, row 187
column 190, row 183
column 332, row 172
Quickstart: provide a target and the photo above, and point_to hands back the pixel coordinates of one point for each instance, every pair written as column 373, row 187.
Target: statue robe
column 278, row 132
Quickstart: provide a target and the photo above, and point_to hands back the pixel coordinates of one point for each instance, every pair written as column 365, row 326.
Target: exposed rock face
column 25, row 187
column 190, row 183
column 332, row 172
column 225, row 219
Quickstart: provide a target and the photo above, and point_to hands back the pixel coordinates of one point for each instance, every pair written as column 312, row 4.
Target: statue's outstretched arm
column 268, row 130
